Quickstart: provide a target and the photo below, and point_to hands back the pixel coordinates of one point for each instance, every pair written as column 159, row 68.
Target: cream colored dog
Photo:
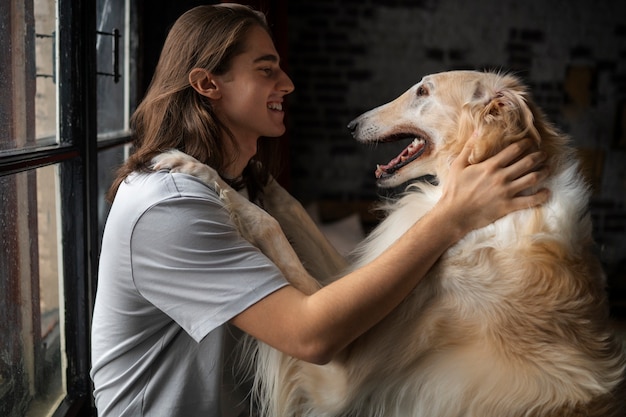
column 512, row 320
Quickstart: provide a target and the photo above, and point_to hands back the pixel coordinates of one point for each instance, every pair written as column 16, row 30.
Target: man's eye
column 267, row 71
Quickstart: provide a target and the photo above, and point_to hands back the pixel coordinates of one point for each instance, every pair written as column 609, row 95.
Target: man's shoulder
column 164, row 184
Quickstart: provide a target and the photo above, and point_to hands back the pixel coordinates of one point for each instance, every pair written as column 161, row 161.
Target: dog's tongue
column 383, row 169
column 396, row 163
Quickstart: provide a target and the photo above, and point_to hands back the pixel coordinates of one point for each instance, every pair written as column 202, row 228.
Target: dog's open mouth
column 410, row 153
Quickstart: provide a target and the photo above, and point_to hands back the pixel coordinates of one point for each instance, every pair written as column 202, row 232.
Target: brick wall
column 348, row 56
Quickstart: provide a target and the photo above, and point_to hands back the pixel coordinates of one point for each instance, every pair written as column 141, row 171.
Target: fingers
column 529, row 163
column 462, row 160
column 527, row 178
column 513, row 152
column 526, row 174
column 533, row 200
column 506, row 182
column 513, row 156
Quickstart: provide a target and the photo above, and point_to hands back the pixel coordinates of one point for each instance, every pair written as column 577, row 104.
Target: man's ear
column 204, row 83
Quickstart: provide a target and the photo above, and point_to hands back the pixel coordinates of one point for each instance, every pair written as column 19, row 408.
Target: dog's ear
column 506, row 118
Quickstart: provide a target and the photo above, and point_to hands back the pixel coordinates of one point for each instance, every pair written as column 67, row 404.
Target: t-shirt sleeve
column 191, row 263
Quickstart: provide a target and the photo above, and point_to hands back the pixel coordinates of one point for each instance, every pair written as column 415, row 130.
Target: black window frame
column 77, row 156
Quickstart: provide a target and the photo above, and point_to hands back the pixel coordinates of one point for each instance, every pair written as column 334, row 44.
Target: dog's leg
column 317, row 254
column 177, row 161
column 254, row 224
column 264, row 232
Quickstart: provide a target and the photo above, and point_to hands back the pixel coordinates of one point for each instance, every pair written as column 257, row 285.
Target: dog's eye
column 422, row 91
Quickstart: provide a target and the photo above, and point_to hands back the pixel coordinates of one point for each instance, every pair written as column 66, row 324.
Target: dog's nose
column 352, row 127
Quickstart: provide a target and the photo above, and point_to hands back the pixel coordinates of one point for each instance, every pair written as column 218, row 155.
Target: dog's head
column 440, row 114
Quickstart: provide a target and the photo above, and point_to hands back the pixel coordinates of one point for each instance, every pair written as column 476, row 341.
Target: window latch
column 115, row 38
column 52, row 38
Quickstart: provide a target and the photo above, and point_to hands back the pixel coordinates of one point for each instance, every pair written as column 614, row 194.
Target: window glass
column 45, row 66
column 108, row 162
column 31, row 363
column 114, row 80
column 27, row 74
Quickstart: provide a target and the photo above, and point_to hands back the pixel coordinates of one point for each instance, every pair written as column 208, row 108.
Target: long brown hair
column 173, row 116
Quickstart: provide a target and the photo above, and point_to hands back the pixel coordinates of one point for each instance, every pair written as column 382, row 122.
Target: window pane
column 108, row 163
column 45, row 62
column 28, row 99
column 17, row 100
column 31, row 363
column 114, row 78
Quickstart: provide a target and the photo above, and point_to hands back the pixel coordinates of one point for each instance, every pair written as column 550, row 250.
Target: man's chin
column 276, row 133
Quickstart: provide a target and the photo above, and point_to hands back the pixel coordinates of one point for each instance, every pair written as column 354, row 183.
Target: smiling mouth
column 414, row 150
column 275, row 106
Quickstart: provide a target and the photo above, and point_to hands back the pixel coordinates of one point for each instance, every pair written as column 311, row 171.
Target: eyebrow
column 268, row 57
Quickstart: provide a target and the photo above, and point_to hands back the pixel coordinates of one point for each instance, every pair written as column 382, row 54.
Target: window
column 116, row 90
column 45, row 71
column 115, row 68
column 68, row 89
column 31, row 360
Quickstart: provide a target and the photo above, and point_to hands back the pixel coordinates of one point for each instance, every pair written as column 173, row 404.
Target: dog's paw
column 171, row 160
column 236, row 206
column 224, row 194
column 177, row 161
column 244, row 215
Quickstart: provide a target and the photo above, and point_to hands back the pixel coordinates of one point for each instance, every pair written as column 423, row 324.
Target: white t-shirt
column 173, row 271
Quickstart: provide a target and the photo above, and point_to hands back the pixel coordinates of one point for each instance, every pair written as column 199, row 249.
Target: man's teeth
column 275, row 106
